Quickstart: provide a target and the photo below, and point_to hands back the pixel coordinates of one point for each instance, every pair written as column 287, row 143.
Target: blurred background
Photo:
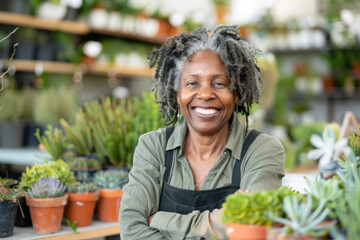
column 69, row 52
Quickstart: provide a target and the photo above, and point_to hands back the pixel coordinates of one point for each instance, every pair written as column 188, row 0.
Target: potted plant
column 110, row 185
column 46, row 200
column 247, row 215
column 56, row 169
column 301, row 221
column 81, row 203
column 49, row 9
column 8, row 207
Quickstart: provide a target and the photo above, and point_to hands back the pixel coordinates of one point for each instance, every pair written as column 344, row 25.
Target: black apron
column 185, row 201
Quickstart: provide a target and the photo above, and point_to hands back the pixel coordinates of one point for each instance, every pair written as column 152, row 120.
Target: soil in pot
column 46, row 213
column 7, row 217
column 109, row 205
column 80, row 208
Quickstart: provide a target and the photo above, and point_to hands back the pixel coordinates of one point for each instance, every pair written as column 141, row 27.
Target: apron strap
column 236, row 176
column 168, row 154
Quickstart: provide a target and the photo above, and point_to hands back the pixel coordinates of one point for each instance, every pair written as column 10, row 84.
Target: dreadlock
column 238, row 56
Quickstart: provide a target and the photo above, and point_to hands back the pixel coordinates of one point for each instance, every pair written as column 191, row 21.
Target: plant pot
column 46, row 213
column 109, row 205
column 71, row 14
column 11, row 134
column 98, row 18
column 23, row 218
column 45, row 52
column 80, row 208
column 25, row 50
column 16, row 6
column 29, row 138
column 245, row 232
column 51, row 11
column 7, row 217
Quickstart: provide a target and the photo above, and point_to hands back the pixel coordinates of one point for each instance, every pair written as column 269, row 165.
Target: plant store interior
column 75, row 84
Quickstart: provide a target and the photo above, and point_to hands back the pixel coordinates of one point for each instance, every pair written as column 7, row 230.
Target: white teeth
column 205, row 111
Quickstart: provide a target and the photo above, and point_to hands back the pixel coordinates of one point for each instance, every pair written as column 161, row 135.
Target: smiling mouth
column 206, row 111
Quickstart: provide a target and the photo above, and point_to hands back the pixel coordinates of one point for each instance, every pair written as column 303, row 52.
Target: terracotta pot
column 276, row 235
column 80, row 208
column 46, row 213
column 245, row 232
column 109, row 205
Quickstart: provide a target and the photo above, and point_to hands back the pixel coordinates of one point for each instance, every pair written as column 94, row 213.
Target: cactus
column 47, row 188
column 111, row 179
column 81, row 188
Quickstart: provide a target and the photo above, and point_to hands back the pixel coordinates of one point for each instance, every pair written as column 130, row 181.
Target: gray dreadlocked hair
column 238, row 56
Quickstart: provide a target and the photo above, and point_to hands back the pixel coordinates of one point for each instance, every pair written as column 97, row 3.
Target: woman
column 182, row 174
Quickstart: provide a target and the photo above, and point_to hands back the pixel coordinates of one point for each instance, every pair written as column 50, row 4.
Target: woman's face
column 204, row 98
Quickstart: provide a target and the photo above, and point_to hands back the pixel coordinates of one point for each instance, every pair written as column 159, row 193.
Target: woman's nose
column 206, row 92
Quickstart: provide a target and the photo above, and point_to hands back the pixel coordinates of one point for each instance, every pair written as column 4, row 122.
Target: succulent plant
column 301, row 219
column 329, row 190
column 354, row 142
column 56, row 169
column 254, row 208
column 81, row 188
column 47, row 188
column 53, row 141
column 111, row 179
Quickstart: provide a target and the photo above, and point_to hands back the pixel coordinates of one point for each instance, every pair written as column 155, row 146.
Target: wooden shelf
column 95, row 230
column 69, row 68
column 73, row 27
column 30, row 21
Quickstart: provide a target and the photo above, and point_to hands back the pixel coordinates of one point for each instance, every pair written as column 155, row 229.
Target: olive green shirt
column 262, row 168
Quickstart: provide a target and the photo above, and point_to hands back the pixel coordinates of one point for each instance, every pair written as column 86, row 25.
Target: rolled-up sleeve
column 142, row 193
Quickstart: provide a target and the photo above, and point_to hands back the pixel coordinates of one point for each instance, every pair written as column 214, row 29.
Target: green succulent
column 329, row 190
column 56, row 169
column 301, row 219
column 254, row 208
column 111, row 179
column 81, row 188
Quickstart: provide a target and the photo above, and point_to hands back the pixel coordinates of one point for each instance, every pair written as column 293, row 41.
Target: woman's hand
column 241, row 191
column 150, row 218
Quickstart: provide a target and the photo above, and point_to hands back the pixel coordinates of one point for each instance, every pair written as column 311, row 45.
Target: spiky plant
column 53, row 141
column 111, row 179
column 354, row 142
column 47, row 188
column 302, row 220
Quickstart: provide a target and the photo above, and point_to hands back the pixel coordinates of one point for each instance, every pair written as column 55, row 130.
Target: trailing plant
column 330, row 191
column 301, row 219
column 254, row 208
column 81, row 188
column 53, row 141
column 111, row 179
column 55, row 169
column 47, row 188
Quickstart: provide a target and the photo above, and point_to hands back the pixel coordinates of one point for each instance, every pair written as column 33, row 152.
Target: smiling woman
column 182, row 174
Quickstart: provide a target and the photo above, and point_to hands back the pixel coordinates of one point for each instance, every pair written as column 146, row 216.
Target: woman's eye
column 192, row 83
column 220, row 85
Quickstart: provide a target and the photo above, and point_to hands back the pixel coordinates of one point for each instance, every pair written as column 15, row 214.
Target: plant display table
column 95, row 230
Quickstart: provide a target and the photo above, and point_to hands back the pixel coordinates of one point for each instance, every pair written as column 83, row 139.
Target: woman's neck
column 205, row 148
